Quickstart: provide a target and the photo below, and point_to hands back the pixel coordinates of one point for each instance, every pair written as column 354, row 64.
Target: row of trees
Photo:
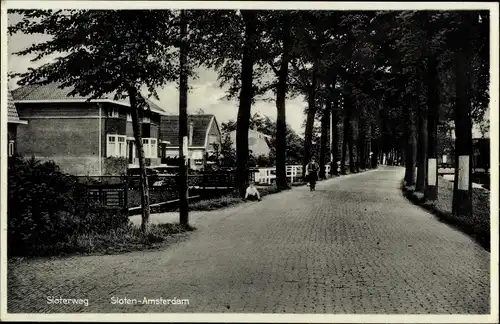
column 369, row 74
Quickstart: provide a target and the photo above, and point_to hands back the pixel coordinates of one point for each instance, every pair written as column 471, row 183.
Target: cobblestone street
column 355, row 245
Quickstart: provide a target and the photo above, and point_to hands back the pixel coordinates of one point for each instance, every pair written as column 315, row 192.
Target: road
column 355, row 245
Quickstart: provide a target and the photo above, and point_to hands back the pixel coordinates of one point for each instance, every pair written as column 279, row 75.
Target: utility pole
column 183, row 131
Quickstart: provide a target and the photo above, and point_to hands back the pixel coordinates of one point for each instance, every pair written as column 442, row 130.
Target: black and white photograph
column 249, row 161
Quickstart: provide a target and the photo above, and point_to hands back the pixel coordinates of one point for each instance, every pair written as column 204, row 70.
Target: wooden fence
column 267, row 176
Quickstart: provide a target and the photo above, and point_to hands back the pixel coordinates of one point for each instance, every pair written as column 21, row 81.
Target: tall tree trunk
column 325, row 121
column 281, row 180
column 422, row 152
column 245, row 106
column 410, row 149
column 348, row 133
column 431, row 188
column 462, row 192
column 350, row 143
column 183, row 125
column 135, row 106
column 345, row 137
column 311, row 113
column 375, row 144
column 334, row 147
column 361, row 141
column 422, row 143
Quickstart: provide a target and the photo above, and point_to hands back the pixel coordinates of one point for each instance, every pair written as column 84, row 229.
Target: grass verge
column 115, row 241
column 476, row 226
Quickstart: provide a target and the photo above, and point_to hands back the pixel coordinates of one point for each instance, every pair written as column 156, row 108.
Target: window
column 113, row 112
column 150, row 146
column 11, row 148
column 146, row 119
column 129, row 117
column 122, row 147
column 146, row 147
column 154, row 149
column 212, row 139
column 116, row 146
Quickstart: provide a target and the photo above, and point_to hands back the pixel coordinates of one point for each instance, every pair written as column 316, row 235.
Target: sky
column 205, row 93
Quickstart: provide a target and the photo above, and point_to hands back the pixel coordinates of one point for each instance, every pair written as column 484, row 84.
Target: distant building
column 204, row 139
column 84, row 137
column 13, row 121
column 258, row 143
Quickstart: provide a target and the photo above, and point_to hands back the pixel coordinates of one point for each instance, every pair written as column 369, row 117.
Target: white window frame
column 146, row 119
column 212, row 139
column 12, row 148
column 146, row 147
column 114, row 112
column 150, row 146
column 129, row 116
column 113, row 149
column 122, row 149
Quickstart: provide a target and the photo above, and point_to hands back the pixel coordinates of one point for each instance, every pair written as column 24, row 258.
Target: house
column 204, row 139
column 257, row 142
column 13, row 122
column 85, row 138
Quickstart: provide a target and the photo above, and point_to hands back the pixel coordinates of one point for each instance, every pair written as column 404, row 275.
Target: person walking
column 312, row 169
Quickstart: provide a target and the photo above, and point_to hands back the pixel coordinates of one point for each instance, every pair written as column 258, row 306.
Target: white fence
column 267, row 176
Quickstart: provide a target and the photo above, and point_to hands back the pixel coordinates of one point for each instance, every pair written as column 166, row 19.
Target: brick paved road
column 353, row 246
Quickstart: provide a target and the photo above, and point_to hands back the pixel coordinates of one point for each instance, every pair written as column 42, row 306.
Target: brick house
column 257, row 142
column 85, row 138
column 13, row 122
column 204, row 139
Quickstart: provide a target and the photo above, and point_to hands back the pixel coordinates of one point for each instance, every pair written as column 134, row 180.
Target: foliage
column 227, row 151
column 47, row 206
column 101, row 51
column 115, row 166
column 267, row 126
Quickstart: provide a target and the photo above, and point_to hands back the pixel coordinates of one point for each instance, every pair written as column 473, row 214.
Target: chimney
column 190, row 134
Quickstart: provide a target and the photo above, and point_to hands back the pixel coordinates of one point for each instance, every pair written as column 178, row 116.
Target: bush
column 46, row 207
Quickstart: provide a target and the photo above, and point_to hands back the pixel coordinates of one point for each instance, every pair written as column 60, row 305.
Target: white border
column 211, row 317
column 381, row 5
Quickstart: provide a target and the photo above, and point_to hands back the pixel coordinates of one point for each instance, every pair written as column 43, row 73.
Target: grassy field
column 477, row 225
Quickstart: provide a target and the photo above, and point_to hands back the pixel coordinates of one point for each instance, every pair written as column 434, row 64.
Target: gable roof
column 12, row 115
column 170, row 129
column 53, row 92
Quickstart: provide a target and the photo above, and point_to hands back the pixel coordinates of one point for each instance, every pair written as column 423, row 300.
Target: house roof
column 53, row 92
column 12, row 116
column 170, row 128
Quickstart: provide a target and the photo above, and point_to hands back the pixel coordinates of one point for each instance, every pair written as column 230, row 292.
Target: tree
column 279, row 47
column 104, row 52
column 431, row 185
column 223, row 32
column 183, row 120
